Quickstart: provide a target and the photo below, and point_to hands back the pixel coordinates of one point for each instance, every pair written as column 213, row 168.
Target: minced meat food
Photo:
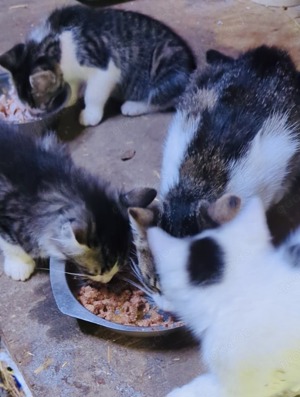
column 124, row 305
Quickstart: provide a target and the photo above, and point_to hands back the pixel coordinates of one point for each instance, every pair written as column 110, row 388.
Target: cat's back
column 122, row 24
column 225, row 106
column 235, row 97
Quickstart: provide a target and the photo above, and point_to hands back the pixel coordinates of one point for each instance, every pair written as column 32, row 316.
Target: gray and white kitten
column 51, row 208
column 107, row 52
column 236, row 132
column 240, row 296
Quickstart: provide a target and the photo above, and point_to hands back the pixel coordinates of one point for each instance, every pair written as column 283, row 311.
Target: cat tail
column 290, row 248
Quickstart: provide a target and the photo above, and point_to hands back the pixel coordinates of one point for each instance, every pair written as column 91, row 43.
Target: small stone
column 128, row 155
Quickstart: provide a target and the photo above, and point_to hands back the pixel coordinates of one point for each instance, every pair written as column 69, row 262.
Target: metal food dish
column 63, row 287
column 36, row 126
column 63, row 120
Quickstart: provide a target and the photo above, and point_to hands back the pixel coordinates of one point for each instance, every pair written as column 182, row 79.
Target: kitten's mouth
column 106, row 277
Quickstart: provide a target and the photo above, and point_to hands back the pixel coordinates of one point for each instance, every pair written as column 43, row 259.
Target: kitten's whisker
column 77, row 274
column 135, row 268
column 63, row 271
column 42, row 268
column 140, row 279
column 129, row 281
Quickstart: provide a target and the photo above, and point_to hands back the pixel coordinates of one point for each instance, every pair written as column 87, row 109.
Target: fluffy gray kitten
column 105, row 52
column 51, row 208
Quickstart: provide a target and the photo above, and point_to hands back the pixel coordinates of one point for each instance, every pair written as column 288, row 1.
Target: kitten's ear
column 221, row 211
column 214, row 57
column 12, row 59
column 141, row 219
column 43, row 81
column 224, row 209
column 71, row 237
column 139, row 197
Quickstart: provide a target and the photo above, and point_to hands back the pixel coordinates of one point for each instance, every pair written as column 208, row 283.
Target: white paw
column 90, row 116
column 17, row 269
column 132, row 108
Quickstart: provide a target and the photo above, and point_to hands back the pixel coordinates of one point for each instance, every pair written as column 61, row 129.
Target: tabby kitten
column 240, row 296
column 104, row 52
column 50, row 207
column 236, row 131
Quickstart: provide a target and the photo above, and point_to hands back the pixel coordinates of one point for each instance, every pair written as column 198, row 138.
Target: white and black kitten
column 236, row 131
column 108, row 52
column 240, row 296
column 50, row 207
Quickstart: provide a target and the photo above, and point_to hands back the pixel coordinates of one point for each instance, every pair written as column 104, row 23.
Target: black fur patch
column 266, row 60
column 206, row 262
column 214, row 56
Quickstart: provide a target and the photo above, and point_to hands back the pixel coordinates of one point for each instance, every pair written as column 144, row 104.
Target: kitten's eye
column 80, row 236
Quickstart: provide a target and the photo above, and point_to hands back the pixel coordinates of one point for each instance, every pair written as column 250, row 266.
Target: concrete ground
column 57, row 355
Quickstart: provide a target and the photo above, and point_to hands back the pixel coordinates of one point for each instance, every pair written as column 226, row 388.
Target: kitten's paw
column 17, row 269
column 90, row 116
column 132, row 108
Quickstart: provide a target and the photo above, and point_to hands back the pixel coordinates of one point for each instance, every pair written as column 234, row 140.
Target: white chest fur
column 99, row 83
column 69, row 64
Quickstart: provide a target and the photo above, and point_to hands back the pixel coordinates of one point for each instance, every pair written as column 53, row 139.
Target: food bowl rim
column 69, row 305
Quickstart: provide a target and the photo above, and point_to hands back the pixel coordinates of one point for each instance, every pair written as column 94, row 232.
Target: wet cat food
column 12, row 110
column 122, row 304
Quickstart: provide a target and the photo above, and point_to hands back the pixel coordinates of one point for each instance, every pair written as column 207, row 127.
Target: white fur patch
column 251, row 343
column 74, row 72
column 99, row 83
column 17, row 263
column 263, row 169
column 180, row 135
column 69, row 64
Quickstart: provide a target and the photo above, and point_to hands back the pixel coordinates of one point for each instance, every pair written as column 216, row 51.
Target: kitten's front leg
column 19, row 268
column 99, row 87
column 17, row 263
column 203, row 386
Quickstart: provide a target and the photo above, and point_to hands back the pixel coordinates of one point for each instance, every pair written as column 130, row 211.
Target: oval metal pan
column 68, row 304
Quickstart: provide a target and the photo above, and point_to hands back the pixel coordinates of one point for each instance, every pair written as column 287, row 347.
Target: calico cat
column 109, row 52
column 50, row 207
column 240, row 296
column 236, row 131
